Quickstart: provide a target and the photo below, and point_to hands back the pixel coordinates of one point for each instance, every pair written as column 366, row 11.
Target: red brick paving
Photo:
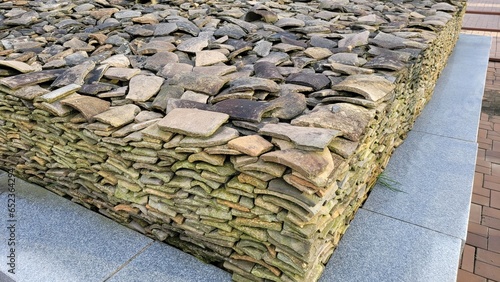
column 481, row 255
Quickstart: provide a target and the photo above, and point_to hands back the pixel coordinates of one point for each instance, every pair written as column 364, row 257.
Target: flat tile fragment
column 192, row 122
column 119, row 116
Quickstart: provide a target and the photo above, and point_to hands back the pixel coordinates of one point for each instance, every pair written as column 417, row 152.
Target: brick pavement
column 481, row 255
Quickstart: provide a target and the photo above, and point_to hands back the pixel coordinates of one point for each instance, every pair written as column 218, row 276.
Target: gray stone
column 194, row 96
column 45, row 217
column 267, row 70
column 263, row 48
column 96, row 74
column 96, row 88
column 422, row 164
column 139, row 30
column 159, row 60
column 318, row 53
column 230, row 30
column 124, row 14
column 288, row 106
column 188, row 27
column 19, row 66
column 388, row 41
column 252, row 83
column 162, row 262
column 315, row 80
column 289, row 22
column 30, row 79
column 163, row 29
column 245, row 110
column 350, row 70
column 368, row 247
column 74, row 75
column 171, row 69
column 192, row 122
column 350, row 59
column 143, row 87
column 217, row 70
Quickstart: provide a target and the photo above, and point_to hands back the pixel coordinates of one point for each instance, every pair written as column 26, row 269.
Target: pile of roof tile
column 244, row 132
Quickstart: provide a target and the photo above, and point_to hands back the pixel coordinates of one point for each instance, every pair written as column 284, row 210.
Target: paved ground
column 481, row 255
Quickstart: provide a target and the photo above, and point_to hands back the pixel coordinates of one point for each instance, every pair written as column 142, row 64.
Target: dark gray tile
column 455, row 107
column 57, row 240
column 379, row 248
column 160, row 262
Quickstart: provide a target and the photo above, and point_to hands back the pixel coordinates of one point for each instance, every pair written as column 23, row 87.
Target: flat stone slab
column 397, row 252
column 203, row 83
column 309, row 138
column 432, row 198
column 30, row 79
column 372, row 87
column 143, row 87
column 160, row 262
column 59, row 93
column 119, row 116
column 74, row 75
column 455, row 113
column 192, row 122
column 122, row 74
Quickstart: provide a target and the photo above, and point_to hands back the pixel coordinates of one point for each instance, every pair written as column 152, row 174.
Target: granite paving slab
column 456, row 112
column 381, row 248
column 160, row 262
column 58, row 240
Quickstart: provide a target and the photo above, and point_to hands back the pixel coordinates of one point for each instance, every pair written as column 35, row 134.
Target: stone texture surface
column 192, row 122
column 354, row 72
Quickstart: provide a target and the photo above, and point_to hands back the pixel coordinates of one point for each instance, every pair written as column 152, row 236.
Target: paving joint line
column 411, row 223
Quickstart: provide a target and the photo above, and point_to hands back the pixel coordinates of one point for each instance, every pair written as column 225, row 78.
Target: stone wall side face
column 285, row 243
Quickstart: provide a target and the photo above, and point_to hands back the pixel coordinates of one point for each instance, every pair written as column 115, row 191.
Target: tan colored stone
column 315, row 166
column 192, row 122
column 143, row 87
column 119, row 116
